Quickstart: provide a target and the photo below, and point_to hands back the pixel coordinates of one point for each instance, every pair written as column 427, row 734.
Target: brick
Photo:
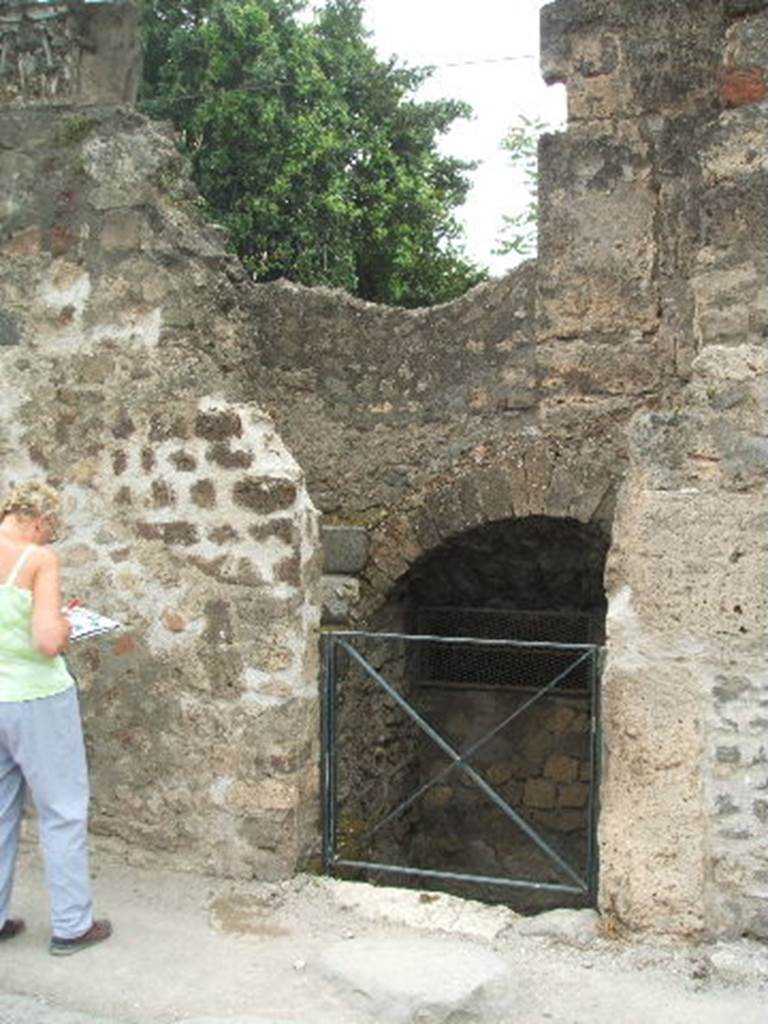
column 742, row 86
column 174, row 622
column 123, row 645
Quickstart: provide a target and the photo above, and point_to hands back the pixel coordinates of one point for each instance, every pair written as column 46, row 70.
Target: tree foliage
column 309, row 148
column 519, row 233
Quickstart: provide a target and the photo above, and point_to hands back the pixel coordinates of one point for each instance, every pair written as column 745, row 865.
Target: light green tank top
column 25, row 673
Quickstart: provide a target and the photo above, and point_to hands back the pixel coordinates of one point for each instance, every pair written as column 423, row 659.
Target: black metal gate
column 374, row 684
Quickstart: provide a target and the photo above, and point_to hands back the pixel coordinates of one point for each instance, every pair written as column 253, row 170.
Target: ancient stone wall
column 658, row 90
column 68, row 52
column 618, row 382
column 187, row 517
column 640, row 344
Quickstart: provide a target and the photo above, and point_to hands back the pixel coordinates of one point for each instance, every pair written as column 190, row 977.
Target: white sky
column 442, row 32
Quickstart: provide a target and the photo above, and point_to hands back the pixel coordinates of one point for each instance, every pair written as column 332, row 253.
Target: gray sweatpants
column 41, row 745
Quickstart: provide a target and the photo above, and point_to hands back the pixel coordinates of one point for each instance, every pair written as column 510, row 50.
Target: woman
column 41, row 737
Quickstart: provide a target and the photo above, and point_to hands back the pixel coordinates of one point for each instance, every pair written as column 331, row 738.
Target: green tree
column 309, row 148
column 519, row 233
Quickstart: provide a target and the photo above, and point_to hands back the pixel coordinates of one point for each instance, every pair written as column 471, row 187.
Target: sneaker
column 11, row 928
column 98, row 932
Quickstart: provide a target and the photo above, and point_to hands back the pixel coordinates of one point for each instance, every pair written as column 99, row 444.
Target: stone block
column 571, row 927
column 540, row 793
column 183, row 461
column 597, row 247
column 738, row 8
column 218, row 424
column 203, row 493
column 229, row 458
column 345, row 549
column 498, row 774
column 405, row 980
column 264, row 494
column 339, row 596
column 574, row 794
column 561, row 768
column 560, row 719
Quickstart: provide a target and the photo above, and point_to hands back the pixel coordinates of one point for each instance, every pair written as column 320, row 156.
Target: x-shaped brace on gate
column 461, row 761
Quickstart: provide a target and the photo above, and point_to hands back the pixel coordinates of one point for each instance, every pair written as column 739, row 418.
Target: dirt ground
column 317, row 951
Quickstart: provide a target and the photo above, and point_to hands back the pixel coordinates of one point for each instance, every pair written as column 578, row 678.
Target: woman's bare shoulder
column 43, row 558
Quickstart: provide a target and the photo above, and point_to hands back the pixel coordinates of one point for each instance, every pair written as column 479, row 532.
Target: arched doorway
column 516, row 698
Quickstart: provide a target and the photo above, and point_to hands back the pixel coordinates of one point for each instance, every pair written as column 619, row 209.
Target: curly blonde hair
column 31, row 500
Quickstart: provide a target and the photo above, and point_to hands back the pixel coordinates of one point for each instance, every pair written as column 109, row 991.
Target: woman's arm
column 50, row 629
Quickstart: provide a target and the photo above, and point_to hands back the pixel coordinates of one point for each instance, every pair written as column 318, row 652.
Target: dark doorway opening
column 534, row 579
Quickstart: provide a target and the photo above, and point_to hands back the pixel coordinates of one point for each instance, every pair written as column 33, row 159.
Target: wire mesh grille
column 470, row 665
column 398, row 799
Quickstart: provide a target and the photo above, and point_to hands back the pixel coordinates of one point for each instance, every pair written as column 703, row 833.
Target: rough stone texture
column 409, row 980
column 618, row 383
column 187, row 517
column 682, row 845
column 345, row 549
column 438, row 912
column 340, row 596
column 571, row 927
column 69, row 53
column 642, row 343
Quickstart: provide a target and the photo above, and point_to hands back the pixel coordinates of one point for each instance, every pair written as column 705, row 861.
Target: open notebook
column 87, row 623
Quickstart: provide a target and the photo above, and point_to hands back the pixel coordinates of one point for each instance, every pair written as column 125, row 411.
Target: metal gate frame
column 584, row 654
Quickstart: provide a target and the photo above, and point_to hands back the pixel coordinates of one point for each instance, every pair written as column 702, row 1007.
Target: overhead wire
column 427, row 64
